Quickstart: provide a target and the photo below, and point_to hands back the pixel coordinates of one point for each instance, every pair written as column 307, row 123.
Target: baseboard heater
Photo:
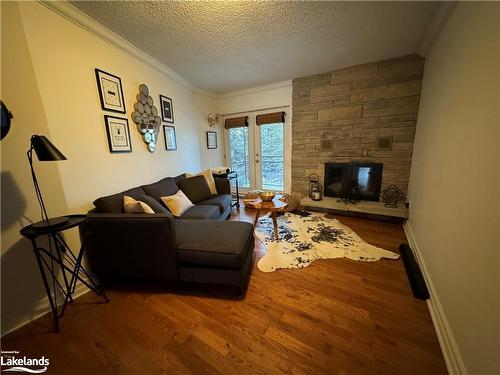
column 415, row 276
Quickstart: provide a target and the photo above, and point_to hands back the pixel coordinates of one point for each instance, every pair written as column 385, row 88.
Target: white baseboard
column 43, row 307
column 451, row 353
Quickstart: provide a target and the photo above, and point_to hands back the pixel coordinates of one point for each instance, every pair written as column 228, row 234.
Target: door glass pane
column 238, row 142
column 272, row 156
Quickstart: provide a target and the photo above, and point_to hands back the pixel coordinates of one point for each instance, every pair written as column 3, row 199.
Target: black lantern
column 314, row 188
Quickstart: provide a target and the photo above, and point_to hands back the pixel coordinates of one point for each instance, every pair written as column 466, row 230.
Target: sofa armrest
column 130, row 245
column 222, row 185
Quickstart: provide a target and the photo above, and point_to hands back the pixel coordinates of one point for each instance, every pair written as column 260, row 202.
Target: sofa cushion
column 157, row 207
column 195, row 188
column 207, row 173
column 179, row 177
column 113, row 204
column 201, row 212
column 223, row 202
column 222, row 185
column 207, row 243
column 132, row 206
column 162, row 188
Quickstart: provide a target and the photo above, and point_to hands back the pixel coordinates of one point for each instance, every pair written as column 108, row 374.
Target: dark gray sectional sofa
column 199, row 246
column 207, row 206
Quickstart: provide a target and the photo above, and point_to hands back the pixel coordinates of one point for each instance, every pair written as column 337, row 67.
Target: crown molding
column 435, row 27
column 198, row 91
column 81, row 19
column 256, row 89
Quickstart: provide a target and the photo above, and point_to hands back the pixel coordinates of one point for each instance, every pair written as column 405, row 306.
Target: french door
column 258, row 153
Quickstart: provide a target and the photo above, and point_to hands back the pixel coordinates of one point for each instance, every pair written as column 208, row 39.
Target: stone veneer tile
column 354, row 73
column 402, row 67
column 352, row 107
column 388, row 91
column 340, row 113
column 402, row 106
column 329, row 93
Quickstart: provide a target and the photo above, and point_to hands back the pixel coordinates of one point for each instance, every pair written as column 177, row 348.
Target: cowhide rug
column 305, row 237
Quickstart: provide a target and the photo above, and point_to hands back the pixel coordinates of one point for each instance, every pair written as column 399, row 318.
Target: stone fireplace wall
column 348, row 109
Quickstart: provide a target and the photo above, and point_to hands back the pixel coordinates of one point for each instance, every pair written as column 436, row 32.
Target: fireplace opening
column 353, row 181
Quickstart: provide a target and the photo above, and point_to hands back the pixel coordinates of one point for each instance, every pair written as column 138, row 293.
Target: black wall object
column 6, row 116
column 415, row 277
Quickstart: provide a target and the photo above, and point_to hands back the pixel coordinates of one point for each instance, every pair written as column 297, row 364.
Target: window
column 238, row 141
column 272, row 156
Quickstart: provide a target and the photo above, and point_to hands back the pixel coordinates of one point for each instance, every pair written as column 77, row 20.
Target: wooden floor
column 335, row 317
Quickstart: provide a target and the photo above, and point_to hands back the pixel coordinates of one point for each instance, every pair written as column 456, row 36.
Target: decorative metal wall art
column 146, row 117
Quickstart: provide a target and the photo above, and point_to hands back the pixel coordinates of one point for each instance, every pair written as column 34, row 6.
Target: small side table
column 273, row 206
column 233, row 176
column 60, row 254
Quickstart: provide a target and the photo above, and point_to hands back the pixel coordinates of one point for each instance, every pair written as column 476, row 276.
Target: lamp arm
column 43, row 211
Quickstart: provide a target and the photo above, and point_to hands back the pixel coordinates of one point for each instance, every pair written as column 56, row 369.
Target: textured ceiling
column 223, row 46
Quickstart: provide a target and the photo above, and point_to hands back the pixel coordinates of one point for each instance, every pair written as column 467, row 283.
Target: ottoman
column 213, row 252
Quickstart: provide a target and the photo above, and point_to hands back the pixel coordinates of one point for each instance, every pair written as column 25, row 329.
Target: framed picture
column 110, row 91
column 118, row 134
column 167, row 109
column 211, row 140
column 170, row 140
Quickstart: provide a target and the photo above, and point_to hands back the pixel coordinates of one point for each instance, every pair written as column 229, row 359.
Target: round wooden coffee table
column 273, row 206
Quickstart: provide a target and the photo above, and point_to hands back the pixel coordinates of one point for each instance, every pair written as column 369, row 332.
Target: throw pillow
column 210, row 180
column 132, row 206
column 195, row 188
column 177, row 203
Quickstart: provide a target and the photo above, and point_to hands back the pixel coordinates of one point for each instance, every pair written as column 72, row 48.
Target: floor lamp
column 45, row 151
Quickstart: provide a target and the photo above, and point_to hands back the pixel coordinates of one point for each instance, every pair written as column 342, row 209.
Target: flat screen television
column 368, row 177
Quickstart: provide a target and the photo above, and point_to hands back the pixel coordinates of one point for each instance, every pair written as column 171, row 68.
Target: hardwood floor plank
column 337, row 316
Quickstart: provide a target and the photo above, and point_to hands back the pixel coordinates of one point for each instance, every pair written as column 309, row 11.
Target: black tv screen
column 368, row 177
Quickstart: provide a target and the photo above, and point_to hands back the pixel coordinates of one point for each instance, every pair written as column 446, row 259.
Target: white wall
column 48, row 82
column 209, row 157
column 454, row 184
column 277, row 95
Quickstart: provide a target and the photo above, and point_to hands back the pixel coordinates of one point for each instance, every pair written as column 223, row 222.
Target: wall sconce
column 213, row 119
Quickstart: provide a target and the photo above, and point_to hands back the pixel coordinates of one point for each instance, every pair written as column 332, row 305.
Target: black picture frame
column 110, row 91
column 117, row 142
column 167, row 109
column 170, row 138
column 211, row 140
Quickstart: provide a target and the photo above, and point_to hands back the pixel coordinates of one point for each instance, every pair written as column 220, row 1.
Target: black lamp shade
column 45, row 150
